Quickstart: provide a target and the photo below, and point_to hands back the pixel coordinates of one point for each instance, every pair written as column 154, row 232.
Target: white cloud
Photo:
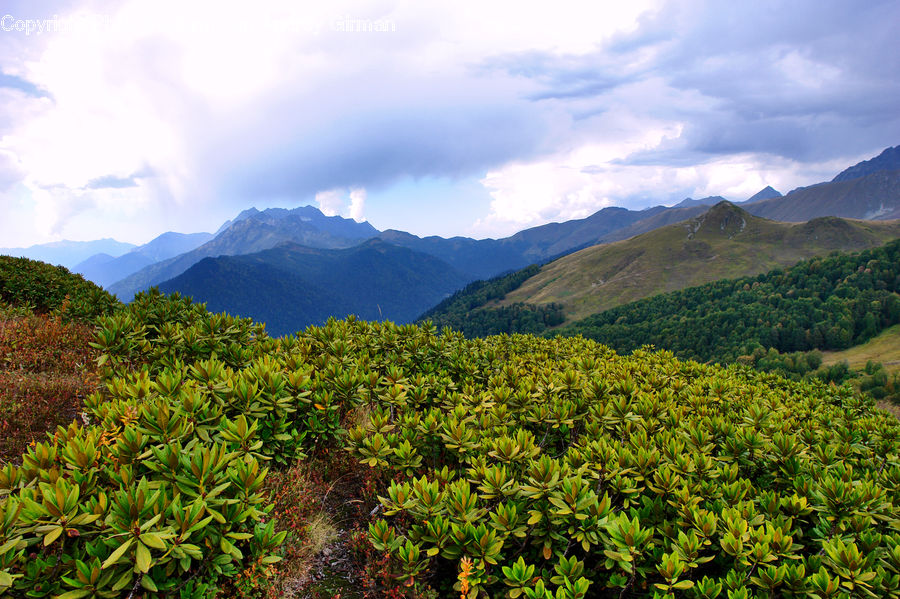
column 349, row 203
column 357, row 204
column 330, row 202
column 577, row 185
column 229, row 105
column 173, row 87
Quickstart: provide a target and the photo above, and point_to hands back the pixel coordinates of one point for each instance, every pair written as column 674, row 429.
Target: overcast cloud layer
column 126, row 119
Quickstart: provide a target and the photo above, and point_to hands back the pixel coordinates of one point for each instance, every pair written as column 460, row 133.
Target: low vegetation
column 47, row 367
column 217, row 461
column 46, row 370
column 44, row 288
column 511, row 465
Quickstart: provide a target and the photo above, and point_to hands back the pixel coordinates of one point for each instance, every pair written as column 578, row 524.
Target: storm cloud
column 172, row 116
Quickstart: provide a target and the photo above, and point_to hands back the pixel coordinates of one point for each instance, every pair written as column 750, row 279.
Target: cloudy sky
column 126, row 119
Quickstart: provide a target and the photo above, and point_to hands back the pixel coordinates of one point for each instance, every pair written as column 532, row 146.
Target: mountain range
column 723, row 243
column 254, row 231
column 105, row 269
column 69, row 253
column 868, row 190
column 292, row 286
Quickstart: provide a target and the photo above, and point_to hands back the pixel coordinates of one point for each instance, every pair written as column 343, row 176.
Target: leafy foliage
column 560, row 469
column 511, row 465
column 46, row 288
column 163, row 492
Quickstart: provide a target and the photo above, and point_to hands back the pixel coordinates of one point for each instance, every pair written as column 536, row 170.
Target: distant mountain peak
column 707, row 201
column 766, row 193
column 888, row 160
column 722, row 219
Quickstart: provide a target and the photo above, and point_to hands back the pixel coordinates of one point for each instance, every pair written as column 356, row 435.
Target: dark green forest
column 465, row 310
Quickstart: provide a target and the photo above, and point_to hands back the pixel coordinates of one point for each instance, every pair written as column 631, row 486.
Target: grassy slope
column 726, row 242
column 884, row 348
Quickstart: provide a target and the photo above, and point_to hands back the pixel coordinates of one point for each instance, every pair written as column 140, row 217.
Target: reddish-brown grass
column 46, row 370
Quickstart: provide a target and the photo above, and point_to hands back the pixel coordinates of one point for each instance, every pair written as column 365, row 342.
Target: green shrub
column 45, row 288
column 511, row 465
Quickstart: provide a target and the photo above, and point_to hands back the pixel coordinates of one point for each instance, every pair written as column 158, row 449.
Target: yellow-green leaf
column 142, row 557
column 151, row 539
column 52, row 535
column 115, row 555
column 148, row 584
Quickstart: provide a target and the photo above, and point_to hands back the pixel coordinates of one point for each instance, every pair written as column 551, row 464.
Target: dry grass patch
column 889, row 407
column 308, row 500
column 884, row 348
column 47, row 369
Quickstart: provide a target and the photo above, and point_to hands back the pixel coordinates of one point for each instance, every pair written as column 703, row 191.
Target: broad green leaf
column 115, row 555
column 142, row 558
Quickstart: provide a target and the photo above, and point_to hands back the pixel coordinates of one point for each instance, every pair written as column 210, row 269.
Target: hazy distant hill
column 291, row 286
column 724, row 242
column 484, row 258
column 474, row 258
column 105, row 270
column 69, row 253
column 707, row 201
column 255, row 232
column 656, row 220
column 869, row 190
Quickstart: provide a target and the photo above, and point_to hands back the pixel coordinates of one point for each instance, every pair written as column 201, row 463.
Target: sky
column 126, row 119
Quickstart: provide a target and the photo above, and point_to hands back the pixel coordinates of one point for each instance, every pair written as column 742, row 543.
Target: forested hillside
column 290, row 287
column 725, row 242
column 824, row 303
column 461, row 310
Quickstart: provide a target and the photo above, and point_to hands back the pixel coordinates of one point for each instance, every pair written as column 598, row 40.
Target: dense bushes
column 512, row 465
column 162, row 492
column 45, row 288
column 558, row 469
